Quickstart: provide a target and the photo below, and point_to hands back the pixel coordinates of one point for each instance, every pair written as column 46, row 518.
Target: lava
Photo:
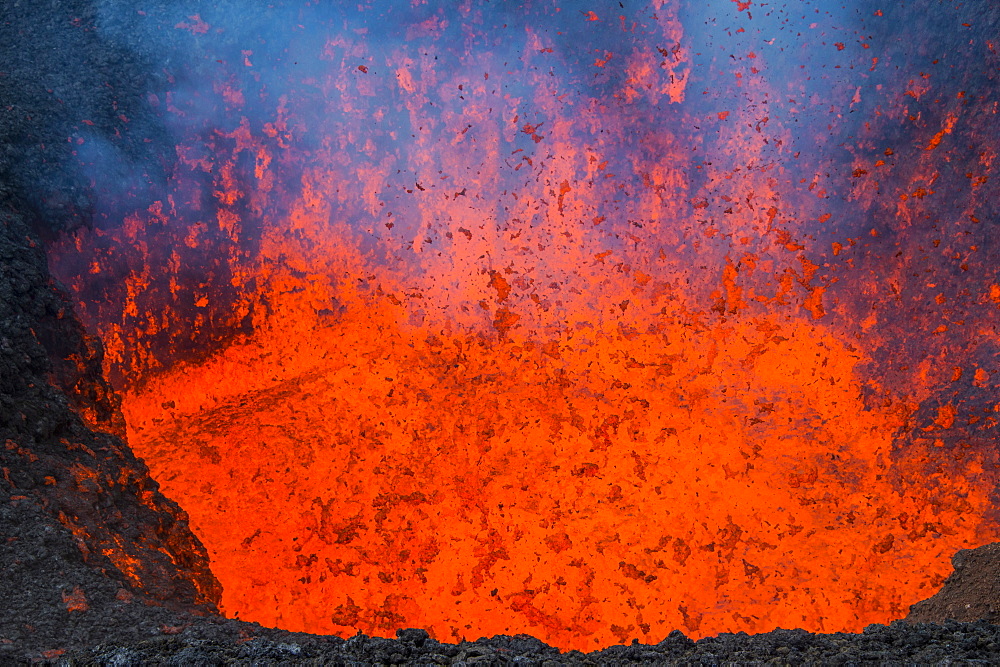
column 575, row 324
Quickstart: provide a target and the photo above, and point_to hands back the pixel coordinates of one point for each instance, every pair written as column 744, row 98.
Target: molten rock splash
column 589, row 325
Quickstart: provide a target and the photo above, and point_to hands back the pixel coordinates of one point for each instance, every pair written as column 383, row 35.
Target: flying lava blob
column 585, row 322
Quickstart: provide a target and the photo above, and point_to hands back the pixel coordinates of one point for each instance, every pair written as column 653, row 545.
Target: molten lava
column 587, row 343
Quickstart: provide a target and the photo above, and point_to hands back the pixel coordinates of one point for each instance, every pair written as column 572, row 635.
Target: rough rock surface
column 971, row 593
column 89, row 548
column 899, row 643
column 86, row 535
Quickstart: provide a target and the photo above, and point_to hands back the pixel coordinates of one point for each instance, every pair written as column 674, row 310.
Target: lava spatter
column 589, row 327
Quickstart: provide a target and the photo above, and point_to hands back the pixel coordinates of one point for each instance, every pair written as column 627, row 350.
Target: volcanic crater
column 586, row 323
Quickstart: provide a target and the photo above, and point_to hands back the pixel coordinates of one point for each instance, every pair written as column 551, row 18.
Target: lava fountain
column 586, row 322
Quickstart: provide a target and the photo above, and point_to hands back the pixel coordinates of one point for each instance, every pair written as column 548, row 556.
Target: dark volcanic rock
column 88, row 540
column 66, row 93
column 971, row 593
column 214, row 642
column 87, row 535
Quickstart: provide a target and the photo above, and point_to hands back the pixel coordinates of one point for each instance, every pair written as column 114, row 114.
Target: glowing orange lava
column 480, row 351
column 587, row 489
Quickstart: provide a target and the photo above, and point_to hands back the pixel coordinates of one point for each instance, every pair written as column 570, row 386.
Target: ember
column 590, row 325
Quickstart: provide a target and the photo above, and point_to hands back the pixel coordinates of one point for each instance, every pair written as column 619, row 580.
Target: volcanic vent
column 590, row 323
